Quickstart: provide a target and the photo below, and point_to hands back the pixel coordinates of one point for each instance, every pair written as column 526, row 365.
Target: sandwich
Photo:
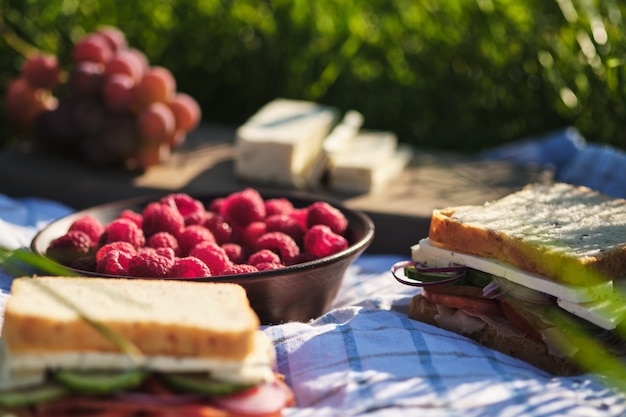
column 538, row 274
column 74, row 346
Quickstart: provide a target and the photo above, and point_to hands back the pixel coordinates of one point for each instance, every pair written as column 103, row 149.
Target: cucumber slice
column 202, row 384
column 22, row 397
column 100, row 382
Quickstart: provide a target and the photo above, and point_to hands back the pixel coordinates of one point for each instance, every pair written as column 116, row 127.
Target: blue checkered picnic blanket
column 366, row 358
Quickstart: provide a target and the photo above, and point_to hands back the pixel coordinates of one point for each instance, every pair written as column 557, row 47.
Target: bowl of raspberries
column 289, row 251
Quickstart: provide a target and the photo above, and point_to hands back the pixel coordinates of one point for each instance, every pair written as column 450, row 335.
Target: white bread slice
column 570, row 234
column 167, row 318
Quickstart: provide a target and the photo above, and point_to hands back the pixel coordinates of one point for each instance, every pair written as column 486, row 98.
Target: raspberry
column 235, row 252
column 300, row 215
column 149, row 264
column 243, row 207
column 321, row 241
column 277, row 206
column 191, row 209
column 240, row 269
column 280, row 243
column 216, row 205
column 135, row 217
column 214, row 256
column 263, row 256
column 85, row 263
column 321, row 212
column 90, row 225
column 189, row 267
column 114, row 262
column 123, row 230
column 163, row 240
column 218, row 226
column 119, row 245
column 266, row 266
column 159, row 217
column 251, row 233
column 68, row 247
column 191, row 236
column 167, row 252
column 286, row 224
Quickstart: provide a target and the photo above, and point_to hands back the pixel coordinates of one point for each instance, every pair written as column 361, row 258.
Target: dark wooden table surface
column 401, row 211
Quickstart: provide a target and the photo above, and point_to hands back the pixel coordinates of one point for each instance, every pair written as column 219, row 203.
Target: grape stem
column 13, row 40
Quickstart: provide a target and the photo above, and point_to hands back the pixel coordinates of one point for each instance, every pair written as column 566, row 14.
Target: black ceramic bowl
column 294, row 293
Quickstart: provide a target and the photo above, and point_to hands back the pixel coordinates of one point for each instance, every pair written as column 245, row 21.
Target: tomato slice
column 471, row 305
column 520, row 322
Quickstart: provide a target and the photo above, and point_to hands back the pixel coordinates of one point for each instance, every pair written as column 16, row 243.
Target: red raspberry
column 216, row 205
column 85, row 263
column 90, row 225
column 214, row 256
column 263, row 256
column 219, row 227
column 136, row 218
column 191, row 209
column 277, row 206
column 279, row 243
column 266, row 266
column 68, row 247
column 321, row 241
column 159, row 217
column 114, row 262
column 240, row 269
column 286, row 224
column 243, row 207
column 251, row 233
column 149, row 264
column 119, row 245
column 163, row 240
column 191, row 236
column 321, row 212
column 167, row 252
column 235, row 252
column 123, row 230
column 189, row 267
column 300, row 215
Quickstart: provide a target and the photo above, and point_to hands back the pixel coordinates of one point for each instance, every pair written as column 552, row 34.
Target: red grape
column 186, row 111
column 152, row 154
column 117, row 92
column 23, row 102
column 114, row 37
column 156, row 85
column 156, row 123
column 89, row 116
column 42, row 71
column 94, row 48
column 85, row 79
column 125, row 62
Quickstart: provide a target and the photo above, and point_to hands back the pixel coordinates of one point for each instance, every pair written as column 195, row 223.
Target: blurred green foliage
column 453, row 74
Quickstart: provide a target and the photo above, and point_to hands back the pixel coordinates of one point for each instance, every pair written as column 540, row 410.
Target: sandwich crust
column 570, row 234
column 171, row 318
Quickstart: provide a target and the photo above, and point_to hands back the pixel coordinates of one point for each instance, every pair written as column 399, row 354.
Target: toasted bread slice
column 570, row 234
column 168, row 318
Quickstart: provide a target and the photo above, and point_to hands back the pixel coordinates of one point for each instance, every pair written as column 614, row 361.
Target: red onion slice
column 457, row 272
column 161, row 400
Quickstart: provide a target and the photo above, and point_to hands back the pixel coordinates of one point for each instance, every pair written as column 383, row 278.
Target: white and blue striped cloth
column 366, row 358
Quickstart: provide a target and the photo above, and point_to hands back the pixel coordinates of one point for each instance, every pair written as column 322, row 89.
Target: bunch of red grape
column 111, row 107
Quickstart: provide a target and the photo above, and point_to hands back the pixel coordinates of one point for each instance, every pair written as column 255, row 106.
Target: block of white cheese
column 600, row 304
column 367, row 162
column 576, row 294
column 282, row 143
